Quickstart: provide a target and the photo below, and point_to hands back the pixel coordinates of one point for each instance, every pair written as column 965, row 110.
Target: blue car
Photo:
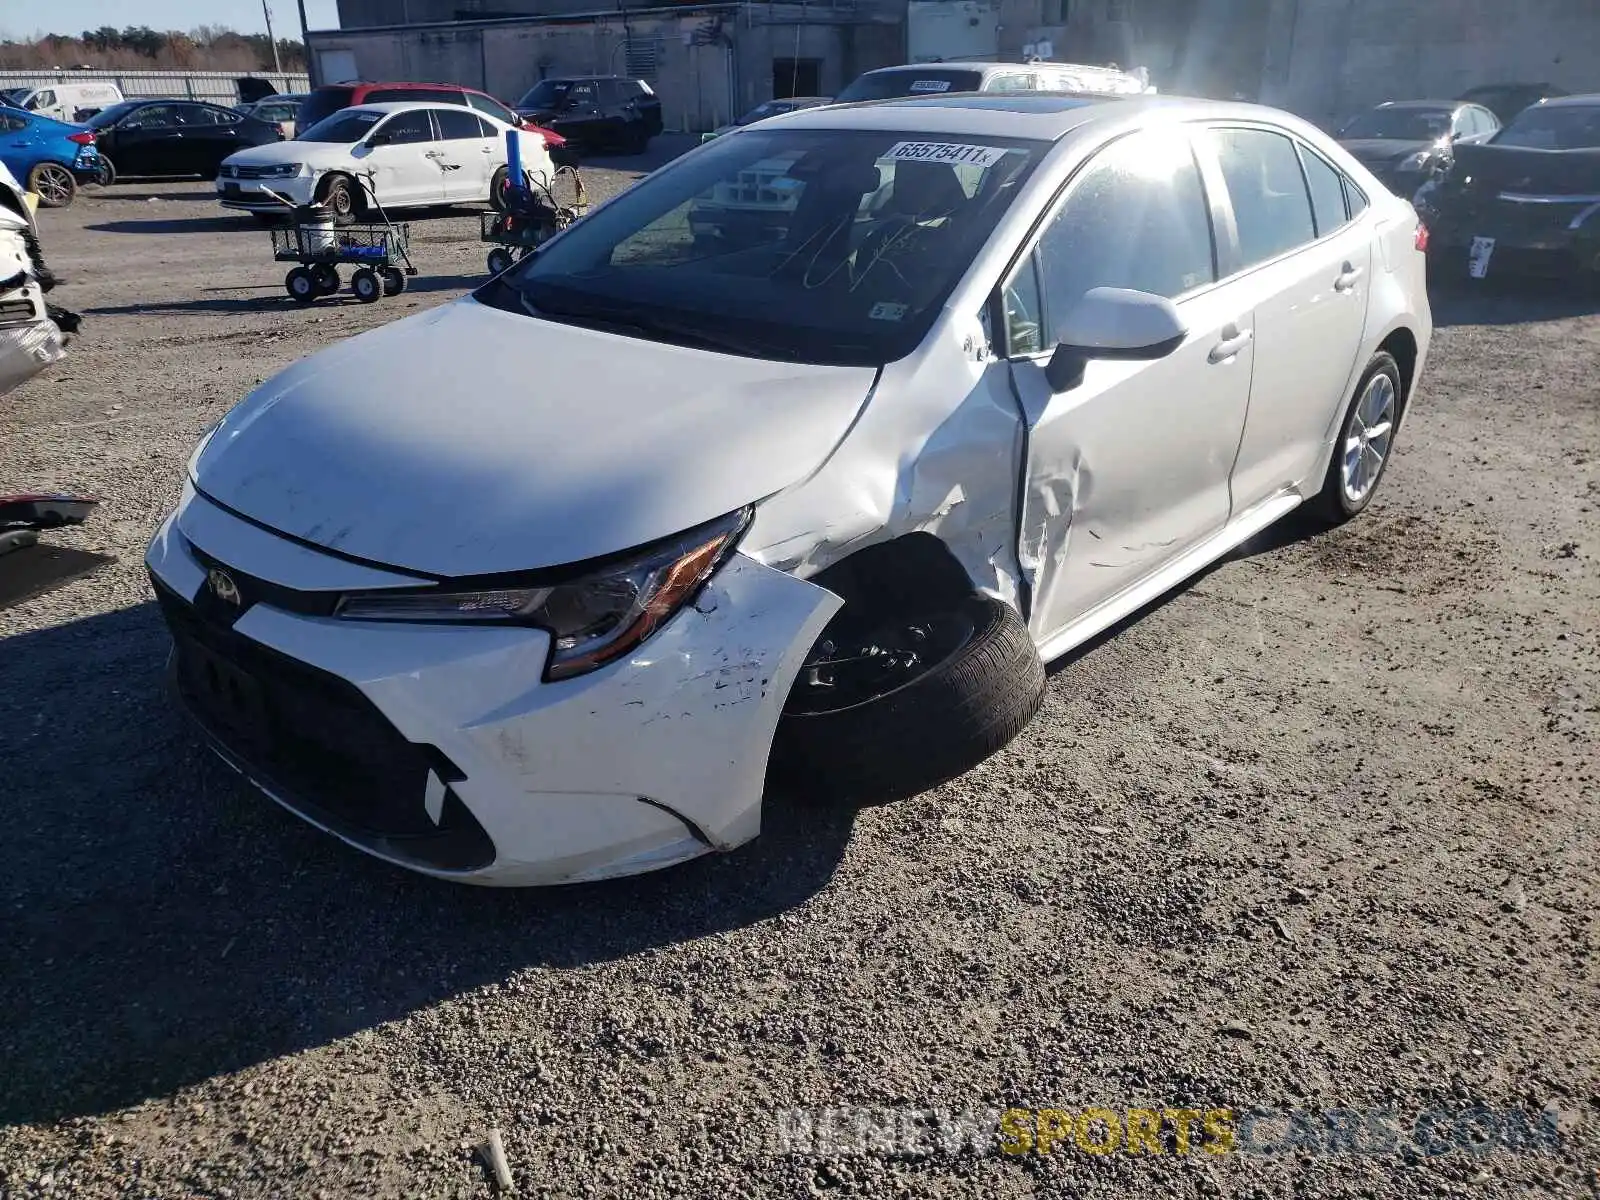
column 48, row 157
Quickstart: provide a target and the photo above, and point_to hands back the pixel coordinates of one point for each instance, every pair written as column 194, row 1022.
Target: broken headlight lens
column 593, row 619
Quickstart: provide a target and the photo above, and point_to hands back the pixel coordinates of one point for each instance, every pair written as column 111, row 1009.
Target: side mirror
column 381, row 139
column 1116, row 323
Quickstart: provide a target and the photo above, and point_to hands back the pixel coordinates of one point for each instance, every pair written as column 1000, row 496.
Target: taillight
column 1421, row 240
column 84, row 138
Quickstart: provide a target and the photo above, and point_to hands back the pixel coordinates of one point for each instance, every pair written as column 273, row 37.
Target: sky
column 74, row 16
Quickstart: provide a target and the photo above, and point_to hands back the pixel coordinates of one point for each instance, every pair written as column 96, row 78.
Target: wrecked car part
column 889, row 709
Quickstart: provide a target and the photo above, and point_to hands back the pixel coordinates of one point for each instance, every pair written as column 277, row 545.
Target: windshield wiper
column 650, row 324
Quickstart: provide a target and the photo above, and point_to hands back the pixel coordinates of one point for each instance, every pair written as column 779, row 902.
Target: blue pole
column 513, row 162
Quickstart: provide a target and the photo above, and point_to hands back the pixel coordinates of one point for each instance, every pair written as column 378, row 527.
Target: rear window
column 324, row 102
column 1563, row 127
column 886, row 85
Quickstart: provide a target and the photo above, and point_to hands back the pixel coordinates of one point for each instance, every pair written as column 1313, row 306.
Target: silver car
column 547, row 583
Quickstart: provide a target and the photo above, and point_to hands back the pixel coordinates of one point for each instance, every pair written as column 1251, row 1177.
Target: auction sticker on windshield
column 930, row 85
column 946, row 152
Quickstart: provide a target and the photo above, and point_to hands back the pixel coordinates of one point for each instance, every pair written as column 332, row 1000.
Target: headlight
column 282, row 171
column 593, row 619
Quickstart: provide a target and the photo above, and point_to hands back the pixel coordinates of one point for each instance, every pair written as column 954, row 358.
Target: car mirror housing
column 1113, row 323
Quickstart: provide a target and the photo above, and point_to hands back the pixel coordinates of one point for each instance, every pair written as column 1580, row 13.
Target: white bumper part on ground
column 653, row 759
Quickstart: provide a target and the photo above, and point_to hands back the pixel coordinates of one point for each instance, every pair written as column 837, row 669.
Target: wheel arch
column 892, row 576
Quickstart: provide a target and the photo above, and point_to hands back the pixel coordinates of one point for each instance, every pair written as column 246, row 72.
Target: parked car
column 1526, row 202
column 1405, row 142
column 50, row 156
column 596, row 112
column 533, row 587
column 409, row 155
column 933, row 79
column 1506, row 100
column 772, row 108
column 323, row 102
column 173, row 137
column 281, row 111
column 70, row 102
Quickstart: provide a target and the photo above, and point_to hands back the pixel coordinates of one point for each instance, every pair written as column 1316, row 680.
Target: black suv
column 596, row 112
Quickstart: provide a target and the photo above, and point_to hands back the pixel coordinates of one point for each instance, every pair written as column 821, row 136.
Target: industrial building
column 710, row 61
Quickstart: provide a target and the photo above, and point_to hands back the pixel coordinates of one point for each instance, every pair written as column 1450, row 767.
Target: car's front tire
column 1365, row 442
column 900, row 706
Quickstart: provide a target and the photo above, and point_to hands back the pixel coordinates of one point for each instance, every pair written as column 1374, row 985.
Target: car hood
column 1518, row 169
column 315, row 153
column 1383, row 149
column 468, row 441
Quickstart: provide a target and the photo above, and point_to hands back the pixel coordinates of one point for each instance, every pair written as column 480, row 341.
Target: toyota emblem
column 223, row 587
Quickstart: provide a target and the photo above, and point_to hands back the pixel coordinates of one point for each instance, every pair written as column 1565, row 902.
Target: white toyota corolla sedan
column 537, row 586
column 410, row 155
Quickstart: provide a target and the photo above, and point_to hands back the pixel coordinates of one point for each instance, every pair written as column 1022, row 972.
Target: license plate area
column 1478, row 257
column 230, row 189
column 228, row 698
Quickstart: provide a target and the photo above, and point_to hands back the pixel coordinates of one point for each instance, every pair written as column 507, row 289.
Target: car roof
column 1570, row 101
column 394, row 106
column 1451, row 104
column 1043, row 116
column 587, row 78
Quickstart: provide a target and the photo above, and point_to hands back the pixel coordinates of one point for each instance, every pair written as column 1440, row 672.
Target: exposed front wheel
column 340, row 197
column 897, row 705
column 54, row 184
column 105, row 173
column 1365, row 442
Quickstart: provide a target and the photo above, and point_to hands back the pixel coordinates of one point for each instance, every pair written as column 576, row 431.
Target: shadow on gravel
column 1510, row 302
column 273, row 298
column 225, row 224
column 162, row 922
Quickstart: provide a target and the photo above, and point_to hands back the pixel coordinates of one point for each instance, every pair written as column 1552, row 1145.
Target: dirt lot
column 1317, row 831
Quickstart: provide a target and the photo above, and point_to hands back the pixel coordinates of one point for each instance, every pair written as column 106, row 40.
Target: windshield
column 548, row 94
column 885, row 85
column 343, row 128
column 1562, row 127
column 14, row 96
column 1400, row 124
column 108, row 117
column 805, row 245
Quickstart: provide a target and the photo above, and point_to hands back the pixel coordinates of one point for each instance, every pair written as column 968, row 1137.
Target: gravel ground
column 1316, row 831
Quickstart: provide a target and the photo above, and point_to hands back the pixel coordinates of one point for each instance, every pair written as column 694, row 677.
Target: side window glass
column 1327, row 192
column 458, row 124
column 409, row 127
column 43, row 100
column 12, row 124
column 581, row 95
column 1354, row 199
column 1024, row 311
column 1135, row 218
column 1010, row 83
column 1270, row 204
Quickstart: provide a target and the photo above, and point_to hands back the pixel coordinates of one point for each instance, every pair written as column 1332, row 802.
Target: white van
column 71, row 101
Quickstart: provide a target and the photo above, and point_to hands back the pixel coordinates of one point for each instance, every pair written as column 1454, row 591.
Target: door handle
column 1348, row 274
column 1233, row 341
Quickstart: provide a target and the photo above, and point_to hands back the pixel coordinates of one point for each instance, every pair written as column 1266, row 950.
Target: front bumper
column 439, row 748
column 252, row 195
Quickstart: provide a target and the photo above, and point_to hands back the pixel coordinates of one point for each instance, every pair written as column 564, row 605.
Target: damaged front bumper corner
column 652, row 760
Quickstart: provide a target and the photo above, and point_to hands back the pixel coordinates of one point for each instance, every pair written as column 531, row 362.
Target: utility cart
column 380, row 252
column 534, row 213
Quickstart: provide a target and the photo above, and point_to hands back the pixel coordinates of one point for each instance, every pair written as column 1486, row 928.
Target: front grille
column 318, row 744
column 234, row 171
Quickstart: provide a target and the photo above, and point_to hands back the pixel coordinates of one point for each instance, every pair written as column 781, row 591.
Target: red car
column 325, row 101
